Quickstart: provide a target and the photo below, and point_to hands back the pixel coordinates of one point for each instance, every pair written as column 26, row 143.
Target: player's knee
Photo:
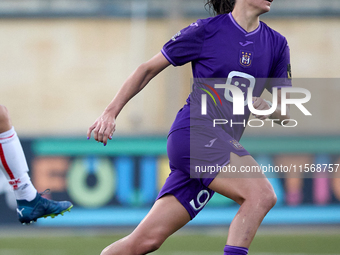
column 135, row 245
column 268, row 199
column 107, row 250
column 263, row 196
column 149, row 245
column 104, row 252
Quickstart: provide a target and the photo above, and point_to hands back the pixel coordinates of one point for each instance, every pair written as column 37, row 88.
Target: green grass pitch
column 184, row 243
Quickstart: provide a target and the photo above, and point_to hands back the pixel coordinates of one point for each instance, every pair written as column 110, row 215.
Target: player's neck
column 247, row 20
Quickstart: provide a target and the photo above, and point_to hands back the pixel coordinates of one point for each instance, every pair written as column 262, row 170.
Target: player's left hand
column 103, row 128
column 260, row 104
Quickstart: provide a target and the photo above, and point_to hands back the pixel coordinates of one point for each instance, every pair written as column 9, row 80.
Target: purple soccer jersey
column 221, row 52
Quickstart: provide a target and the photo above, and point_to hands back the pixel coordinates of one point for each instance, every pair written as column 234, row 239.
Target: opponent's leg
column 12, row 159
column 165, row 217
column 5, row 122
column 256, row 197
column 13, row 163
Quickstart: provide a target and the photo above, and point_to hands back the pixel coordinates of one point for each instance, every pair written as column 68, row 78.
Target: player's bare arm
column 105, row 124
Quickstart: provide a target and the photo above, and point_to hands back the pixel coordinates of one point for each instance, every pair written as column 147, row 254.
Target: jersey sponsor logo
column 236, row 144
column 246, row 43
column 211, row 142
column 246, row 58
column 200, row 204
column 289, row 71
column 174, row 38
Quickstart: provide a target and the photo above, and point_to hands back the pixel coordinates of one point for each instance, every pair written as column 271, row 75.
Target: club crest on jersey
column 246, row 58
column 236, row 144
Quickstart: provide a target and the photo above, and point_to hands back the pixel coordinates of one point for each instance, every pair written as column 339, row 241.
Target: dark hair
column 221, row 6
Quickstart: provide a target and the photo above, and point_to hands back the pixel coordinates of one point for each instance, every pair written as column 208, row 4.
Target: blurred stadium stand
column 155, row 8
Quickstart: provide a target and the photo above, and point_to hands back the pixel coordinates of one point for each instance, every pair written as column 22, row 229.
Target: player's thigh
column 165, row 217
column 242, row 185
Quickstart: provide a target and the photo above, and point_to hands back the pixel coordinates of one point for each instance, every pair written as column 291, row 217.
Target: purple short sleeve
column 186, row 45
column 281, row 71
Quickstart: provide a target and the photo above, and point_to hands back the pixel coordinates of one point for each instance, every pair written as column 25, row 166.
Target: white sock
column 13, row 164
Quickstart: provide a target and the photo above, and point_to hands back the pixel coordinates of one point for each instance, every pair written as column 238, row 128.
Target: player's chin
column 265, row 6
column 265, row 9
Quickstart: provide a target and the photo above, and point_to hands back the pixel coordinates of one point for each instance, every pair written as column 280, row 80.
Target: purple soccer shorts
column 196, row 156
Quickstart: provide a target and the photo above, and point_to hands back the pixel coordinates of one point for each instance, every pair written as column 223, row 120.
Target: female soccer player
column 232, row 48
column 31, row 205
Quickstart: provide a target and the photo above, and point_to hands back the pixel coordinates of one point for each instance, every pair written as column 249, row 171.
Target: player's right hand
column 103, row 128
column 260, row 104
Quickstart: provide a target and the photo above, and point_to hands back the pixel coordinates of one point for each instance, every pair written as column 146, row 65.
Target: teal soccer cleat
column 39, row 207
